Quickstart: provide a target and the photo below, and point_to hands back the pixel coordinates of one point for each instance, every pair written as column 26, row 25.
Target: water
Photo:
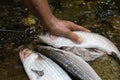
column 100, row 16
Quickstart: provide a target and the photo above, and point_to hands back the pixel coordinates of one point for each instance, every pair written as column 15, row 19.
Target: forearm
column 41, row 9
column 58, row 27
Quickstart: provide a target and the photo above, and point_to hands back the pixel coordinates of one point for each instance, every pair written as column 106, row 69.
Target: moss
column 29, row 21
column 107, row 68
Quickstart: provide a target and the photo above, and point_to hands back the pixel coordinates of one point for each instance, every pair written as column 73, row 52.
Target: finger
column 73, row 37
column 84, row 29
column 76, row 27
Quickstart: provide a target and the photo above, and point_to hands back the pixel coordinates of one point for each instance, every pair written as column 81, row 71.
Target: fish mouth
column 25, row 53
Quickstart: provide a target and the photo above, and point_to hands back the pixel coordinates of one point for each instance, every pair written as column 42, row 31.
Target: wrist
column 50, row 21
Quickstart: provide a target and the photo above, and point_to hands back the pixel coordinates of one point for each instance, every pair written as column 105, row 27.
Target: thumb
column 74, row 37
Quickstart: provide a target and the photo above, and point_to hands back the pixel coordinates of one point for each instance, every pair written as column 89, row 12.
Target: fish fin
column 115, row 56
column 39, row 73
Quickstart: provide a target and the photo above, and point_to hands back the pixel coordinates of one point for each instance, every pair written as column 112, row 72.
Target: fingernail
column 79, row 40
column 88, row 31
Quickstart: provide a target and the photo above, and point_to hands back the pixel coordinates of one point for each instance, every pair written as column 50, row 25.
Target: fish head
column 27, row 55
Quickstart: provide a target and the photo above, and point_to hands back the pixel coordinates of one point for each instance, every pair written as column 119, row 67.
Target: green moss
column 107, row 68
column 29, row 21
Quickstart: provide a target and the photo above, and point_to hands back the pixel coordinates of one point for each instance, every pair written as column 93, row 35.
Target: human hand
column 41, row 9
column 65, row 28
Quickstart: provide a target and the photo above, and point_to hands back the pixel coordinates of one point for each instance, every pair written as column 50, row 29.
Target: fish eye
column 26, row 53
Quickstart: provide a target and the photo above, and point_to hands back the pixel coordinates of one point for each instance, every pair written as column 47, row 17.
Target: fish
column 70, row 62
column 39, row 67
column 90, row 40
column 87, row 54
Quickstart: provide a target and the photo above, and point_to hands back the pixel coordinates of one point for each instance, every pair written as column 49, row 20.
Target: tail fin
column 116, row 56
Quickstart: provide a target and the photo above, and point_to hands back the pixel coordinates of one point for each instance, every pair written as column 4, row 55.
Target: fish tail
column 116, row 56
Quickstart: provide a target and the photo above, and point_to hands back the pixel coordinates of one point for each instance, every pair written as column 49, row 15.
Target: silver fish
column 39, row 67
column 71, row 62
column 88, row 54
column 90, row 40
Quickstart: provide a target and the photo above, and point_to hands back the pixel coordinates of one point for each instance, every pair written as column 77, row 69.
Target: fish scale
column 90, row 40
column 42, row 68
column 71, row 62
